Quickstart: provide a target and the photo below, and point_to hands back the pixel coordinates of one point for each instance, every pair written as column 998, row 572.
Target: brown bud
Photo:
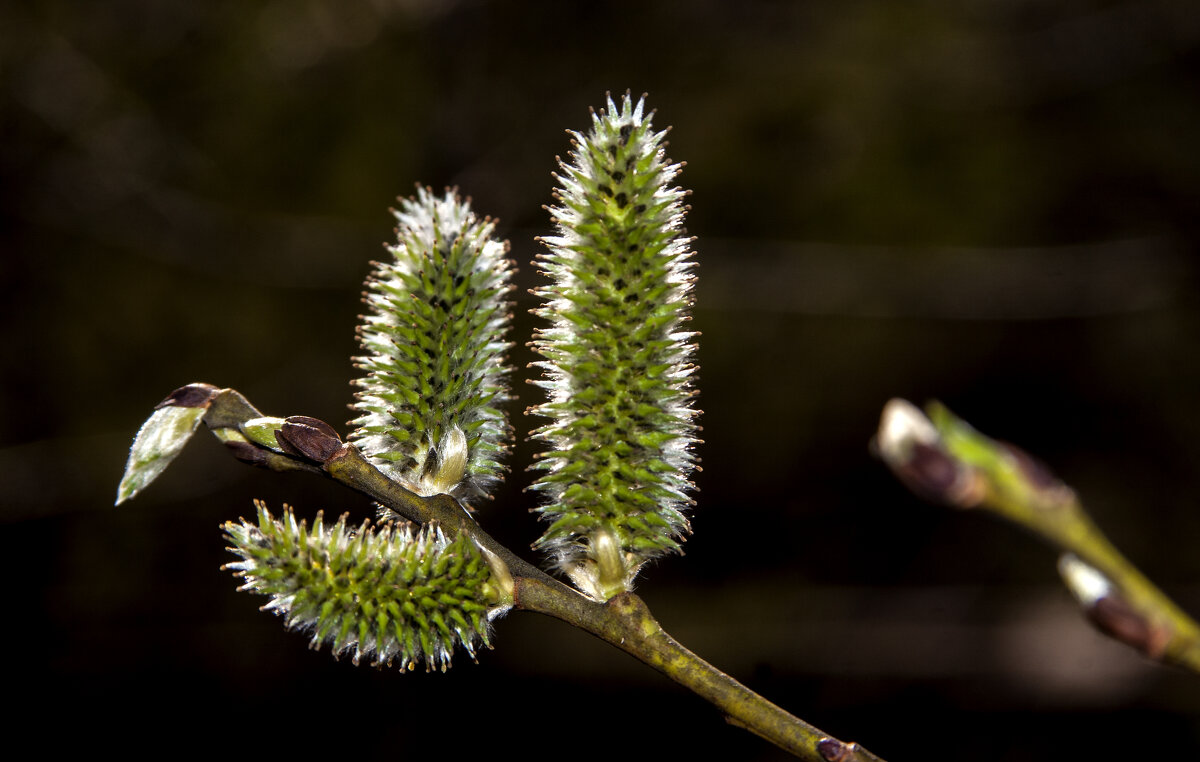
column 912, row 447
column 192, row 395
column 1109, row 611
column 308, row 438
column 929, row 471
column 833, row 750
column 316, row 423
column 933, row 474
column 1114, row 617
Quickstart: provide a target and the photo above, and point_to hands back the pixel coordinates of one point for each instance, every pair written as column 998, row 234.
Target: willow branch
column 301, row 443
column 625, row 622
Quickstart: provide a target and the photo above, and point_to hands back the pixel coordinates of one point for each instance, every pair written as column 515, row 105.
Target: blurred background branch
column 943, row 459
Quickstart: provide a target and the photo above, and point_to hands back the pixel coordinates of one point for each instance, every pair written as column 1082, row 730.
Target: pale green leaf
column 157, row 443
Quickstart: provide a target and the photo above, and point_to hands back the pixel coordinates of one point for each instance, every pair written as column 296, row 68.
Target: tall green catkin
column 617, row 367
column 388, row 594
column 434, row 343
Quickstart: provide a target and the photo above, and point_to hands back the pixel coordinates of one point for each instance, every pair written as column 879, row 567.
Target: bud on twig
column 912, row 447
column 308, row 438
column 833, row 750
column 1109, row 611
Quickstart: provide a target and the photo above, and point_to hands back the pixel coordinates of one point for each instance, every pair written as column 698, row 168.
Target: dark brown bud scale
column 249, row 453
column 1116, row 618
column 935, row 475
column 192, row 395
column 833, row 750
column 315, row 441
column 316, row 423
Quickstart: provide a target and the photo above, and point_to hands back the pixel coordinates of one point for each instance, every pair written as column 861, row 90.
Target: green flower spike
column 384, row 593
column 434, row 346
column 617, row 365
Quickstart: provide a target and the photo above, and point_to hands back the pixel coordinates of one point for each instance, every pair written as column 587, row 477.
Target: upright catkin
column 617, row 364
column 434, row 351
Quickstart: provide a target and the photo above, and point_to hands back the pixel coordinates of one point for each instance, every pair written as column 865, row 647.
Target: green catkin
column 617, row 367
column 389, row 594
column 434, row 348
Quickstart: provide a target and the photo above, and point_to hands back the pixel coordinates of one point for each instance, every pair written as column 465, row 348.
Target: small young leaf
column 157, row 443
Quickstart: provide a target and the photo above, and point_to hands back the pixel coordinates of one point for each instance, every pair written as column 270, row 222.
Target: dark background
column 992, row 203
